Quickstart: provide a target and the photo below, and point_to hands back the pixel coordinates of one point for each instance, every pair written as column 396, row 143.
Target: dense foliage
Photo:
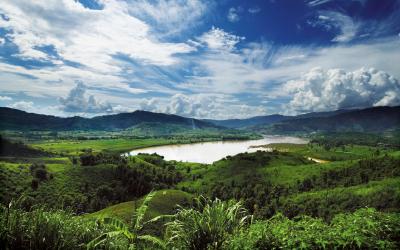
column 363, row 229
column 209, row 225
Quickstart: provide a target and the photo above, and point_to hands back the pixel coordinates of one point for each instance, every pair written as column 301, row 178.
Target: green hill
column 376, row 119
column 13, row 119
column 18, row 149
column 164, row 202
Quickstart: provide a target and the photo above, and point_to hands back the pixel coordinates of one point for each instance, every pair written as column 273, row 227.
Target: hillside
column 163, row 202
column 377, row 119
column 17, row 149
column 241, row 123
column 13, row 119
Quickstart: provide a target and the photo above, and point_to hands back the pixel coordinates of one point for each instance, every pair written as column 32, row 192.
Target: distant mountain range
column 253, row 121
column 376, row 119
column 13, row 119
column 270, row 119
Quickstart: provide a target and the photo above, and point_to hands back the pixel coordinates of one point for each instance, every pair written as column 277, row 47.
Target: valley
column 85, row 176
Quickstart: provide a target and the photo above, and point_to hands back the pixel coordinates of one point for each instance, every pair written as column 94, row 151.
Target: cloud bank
column 324, row 90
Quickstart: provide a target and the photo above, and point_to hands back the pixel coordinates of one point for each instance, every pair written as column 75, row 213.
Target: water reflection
column 208, row 152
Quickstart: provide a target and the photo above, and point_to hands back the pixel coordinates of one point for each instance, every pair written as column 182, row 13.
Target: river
column 208, row 152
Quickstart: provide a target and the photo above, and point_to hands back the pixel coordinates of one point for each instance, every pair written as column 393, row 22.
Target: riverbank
column 73, row 147
column 208, row 152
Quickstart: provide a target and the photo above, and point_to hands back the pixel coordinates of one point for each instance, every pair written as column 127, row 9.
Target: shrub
column 209, row 225
column 41, row 174
column 363, row 229
column 35, row 184
column 41, row 229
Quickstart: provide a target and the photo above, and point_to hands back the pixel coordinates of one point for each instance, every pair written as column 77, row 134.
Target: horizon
column 205, row 119
column 203, row 59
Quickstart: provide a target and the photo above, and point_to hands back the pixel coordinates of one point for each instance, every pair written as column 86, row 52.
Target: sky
column 214, row 59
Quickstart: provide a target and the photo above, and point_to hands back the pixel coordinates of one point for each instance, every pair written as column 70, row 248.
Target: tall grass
column 44, row 229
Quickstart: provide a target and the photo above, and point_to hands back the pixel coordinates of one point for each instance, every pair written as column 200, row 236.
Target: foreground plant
column 364, row 229
column 209, row 225
column 43, row 229
column 121, row 231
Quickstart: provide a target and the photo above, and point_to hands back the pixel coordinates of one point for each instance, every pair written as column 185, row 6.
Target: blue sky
column 205, row 59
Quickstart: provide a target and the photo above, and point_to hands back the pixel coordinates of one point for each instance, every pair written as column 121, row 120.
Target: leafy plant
column 40, row 229
column 122, row 230
column 207, row 226
column 363, row 229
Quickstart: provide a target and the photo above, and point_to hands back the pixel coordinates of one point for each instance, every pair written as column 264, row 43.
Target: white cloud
column 336, row 21
column 2, row 41
column 218, row 39
column 77, row 102
column 203, row 106
column 5, row 98
column 85, row 36
column 233, row 14
column 323, row 90
column 22, row 105
column 170, row 17
column 254, row 10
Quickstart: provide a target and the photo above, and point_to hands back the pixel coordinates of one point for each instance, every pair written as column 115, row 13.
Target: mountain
column 325, row 114
column 376, row 119
column 241, row 123
column 13, row 119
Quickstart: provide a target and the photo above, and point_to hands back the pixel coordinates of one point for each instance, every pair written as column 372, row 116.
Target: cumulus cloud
column 203, row 106
column 5, row 98
column 323, row 90
column 77, row 102
column 218, row 39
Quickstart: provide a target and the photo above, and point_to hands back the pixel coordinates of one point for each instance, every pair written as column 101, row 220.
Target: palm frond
column 153, row 240
column 141, row 211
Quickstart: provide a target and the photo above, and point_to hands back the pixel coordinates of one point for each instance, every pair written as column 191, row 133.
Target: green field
column 75, row 147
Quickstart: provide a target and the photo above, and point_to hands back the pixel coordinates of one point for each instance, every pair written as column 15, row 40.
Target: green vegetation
column 130, row 233
column 81, row 189
column 363, row 229
column 76, row 147
column 207, row 225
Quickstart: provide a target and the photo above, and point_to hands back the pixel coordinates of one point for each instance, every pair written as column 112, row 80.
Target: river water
column 208, row 152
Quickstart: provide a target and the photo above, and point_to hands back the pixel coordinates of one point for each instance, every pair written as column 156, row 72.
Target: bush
column 35, row 184
column 41, row 174
column 209, row 225
column 41, row 229
column 363, row 229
